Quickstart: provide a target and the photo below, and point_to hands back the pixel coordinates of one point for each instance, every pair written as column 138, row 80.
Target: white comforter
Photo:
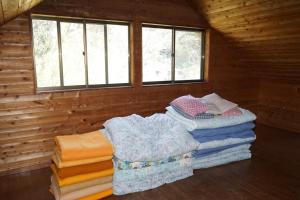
column 148, row 139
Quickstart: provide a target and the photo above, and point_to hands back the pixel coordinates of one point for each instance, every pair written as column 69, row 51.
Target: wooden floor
column 272, row 173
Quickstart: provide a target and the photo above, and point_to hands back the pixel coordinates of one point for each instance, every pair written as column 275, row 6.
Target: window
column 75, row 53
column 172, row 54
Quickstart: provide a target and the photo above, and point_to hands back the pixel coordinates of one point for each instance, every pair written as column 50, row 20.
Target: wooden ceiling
column 268, row 32
column 9, row 9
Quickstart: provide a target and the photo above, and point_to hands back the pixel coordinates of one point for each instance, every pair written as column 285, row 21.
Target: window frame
column 84, row 22
column 173, row 56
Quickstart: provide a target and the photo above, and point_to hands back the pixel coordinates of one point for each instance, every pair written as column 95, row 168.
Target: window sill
column 168, row 83
column 72, row 89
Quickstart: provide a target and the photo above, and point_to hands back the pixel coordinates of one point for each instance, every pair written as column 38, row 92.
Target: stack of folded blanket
column 223, row 130
column 149, row 152
column 82, row 167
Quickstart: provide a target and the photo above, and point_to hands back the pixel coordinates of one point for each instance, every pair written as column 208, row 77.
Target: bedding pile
column 223, row 130
column 149, row 152
column 83, row 167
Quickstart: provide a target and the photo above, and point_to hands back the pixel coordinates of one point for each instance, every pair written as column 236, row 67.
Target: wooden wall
column 279, row 104
column 268, row 33
column 29, row 121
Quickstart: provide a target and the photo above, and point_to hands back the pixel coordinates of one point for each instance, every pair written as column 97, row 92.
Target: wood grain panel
column 29, row 121
column 279, row 104
column 1, row 14
column 267, row 30
column 10, row 9
column 268, row 33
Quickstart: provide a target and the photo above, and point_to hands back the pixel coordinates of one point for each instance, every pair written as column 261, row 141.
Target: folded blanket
column 80, row 178
column 83, row 146
column 84, row 169
column 79, row 193
column 62, row 164
column 216, row 104
column 212, row 151
column 216, row 122
column 220, row 143
column 221, row 160
column 232, row 112
column 198, row 116
column 151, row 181
column 232, row 150
column 189, row 105
column 132, row 174
column 78, row 186
column 223, row 130
column 125, row 165
column 99, row 195
column 148, row 139
column 128, row 181
column 244, row 134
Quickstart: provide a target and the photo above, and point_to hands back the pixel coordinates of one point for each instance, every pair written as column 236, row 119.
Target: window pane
column 188, row 55
column 96, row 53
column 46, row 57
column 117, row 47
column 72, row 53
column 157, row 54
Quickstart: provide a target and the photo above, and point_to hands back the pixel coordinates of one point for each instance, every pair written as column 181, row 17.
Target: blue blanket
column 244, row 134
column 206, row 152
column 223, row 130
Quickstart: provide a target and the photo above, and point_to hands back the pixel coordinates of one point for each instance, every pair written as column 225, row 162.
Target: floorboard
column 272, row 173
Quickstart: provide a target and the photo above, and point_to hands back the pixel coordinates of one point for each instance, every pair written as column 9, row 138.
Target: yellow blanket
column 61, row 164
column 80, row 178
column 82, row 193
column 99, row 195
column 83, row 146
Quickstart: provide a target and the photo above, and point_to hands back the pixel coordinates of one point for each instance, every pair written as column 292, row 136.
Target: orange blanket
column 83, row 146
column 99, row 195
column 60, row 164
column 78, row 186
column 83, row 169
column 80, row 178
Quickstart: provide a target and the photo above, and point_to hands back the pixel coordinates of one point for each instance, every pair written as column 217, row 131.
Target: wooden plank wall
column 268, row 33
column 29, row 121
column 279, row 104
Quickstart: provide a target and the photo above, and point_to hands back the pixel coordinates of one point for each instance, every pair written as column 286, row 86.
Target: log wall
column 29, row 121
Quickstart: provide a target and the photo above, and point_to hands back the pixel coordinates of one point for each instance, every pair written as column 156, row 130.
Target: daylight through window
column 80, row 53
column 172, row 54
